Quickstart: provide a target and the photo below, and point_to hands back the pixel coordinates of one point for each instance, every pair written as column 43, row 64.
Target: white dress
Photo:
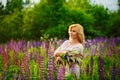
column 67, row 46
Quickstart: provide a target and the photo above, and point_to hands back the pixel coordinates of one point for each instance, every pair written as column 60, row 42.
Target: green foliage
column 60, row 31
column 45, row 37
column 69, row 77
column 113, row 25
column 34, row 70
column 11, row 54
column 10, row 27
column 108, row 66
column 26, row 27
column 18, row 20
column 13, row 5
column 101, row 17
column 1, row 69
column 36, row 62
column 1, row 8
column 12, row 71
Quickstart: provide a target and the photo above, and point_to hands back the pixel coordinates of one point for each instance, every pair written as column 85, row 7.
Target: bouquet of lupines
column 70, row 57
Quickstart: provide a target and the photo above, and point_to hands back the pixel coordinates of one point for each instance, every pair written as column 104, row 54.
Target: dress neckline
column 73, row 44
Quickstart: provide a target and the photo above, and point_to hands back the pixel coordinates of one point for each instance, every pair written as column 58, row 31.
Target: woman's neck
column 74, row 41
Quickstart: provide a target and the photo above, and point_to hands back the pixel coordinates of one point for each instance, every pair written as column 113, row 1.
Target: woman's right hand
column 59, row 60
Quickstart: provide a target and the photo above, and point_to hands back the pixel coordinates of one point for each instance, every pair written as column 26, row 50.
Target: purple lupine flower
column 92, row 50
column 27, row 69
column 98, row 47
column 91, row 67
column 24, row 65
column 1, row 49
column 109, row 52
column 21, row 77
column 59, row 73
column 51, row 49
column 88, row 43
column 36, row 44
column 47, row 46
column 43, row 44
column 42, row 68
column 35, row 56
column 29, row 45
column 118, row 71
column 27, row 72
column 50, row 68
column 101, row 68
column 17, row 46
column 50, row 60
column 38, row 59
column 15, row 76
column 87, row 69
column 118, row 40
column 11, row 44
column 63, row 71
column 3, row 75
column 114, row 71
column 22, row 70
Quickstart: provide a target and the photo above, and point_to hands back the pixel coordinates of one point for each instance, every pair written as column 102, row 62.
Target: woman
column 75, row 43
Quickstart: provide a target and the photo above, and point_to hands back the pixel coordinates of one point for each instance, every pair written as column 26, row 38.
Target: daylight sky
column 110, row 4
column 4, row 1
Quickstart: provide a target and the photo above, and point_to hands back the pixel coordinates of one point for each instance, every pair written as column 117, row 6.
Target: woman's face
column 73, row 34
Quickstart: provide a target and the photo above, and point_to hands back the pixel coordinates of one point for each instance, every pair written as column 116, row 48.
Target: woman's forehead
column 73, row 28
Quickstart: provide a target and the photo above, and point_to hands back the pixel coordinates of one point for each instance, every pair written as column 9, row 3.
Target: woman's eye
column 73, row 31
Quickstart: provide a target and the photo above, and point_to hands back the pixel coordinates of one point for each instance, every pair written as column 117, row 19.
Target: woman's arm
column 61, row 49
column 58, row 58
column 58, row 54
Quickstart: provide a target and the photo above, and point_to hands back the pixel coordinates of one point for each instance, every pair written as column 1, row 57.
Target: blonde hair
column 80, row 31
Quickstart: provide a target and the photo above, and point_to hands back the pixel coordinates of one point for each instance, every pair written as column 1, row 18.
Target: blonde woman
column 75, row 43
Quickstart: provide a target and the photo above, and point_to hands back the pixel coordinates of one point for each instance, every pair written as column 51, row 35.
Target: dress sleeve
column 61, row 48
column 80, row 48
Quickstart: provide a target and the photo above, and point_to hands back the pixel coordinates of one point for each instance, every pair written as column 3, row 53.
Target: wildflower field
column 33, row 60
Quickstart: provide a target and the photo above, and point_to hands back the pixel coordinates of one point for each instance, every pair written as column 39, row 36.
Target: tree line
column 21, row 19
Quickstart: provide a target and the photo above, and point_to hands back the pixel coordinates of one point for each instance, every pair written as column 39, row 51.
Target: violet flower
column 114, row 71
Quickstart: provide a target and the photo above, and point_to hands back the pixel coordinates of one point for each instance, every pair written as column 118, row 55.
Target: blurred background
column 38, row 19
column 31, row 30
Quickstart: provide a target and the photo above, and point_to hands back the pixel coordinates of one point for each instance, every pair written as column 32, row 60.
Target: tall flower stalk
column 101, row 68
column 114, row 71
column 42, row 68
column 61, row 72
column 50, row 60
column 50, row 68
column 16, row 53
column 91, row 67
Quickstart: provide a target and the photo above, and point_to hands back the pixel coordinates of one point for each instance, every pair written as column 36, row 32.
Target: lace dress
column 68, row 46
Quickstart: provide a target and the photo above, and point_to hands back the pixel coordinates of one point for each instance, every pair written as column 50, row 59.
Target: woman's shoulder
column 79, row 45
column 66, row 41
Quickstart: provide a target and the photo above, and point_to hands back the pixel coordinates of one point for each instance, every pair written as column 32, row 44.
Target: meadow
column 33, row 60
